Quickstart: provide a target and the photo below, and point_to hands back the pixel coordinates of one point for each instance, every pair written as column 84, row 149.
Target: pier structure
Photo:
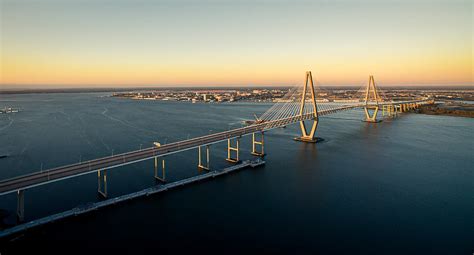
column 200, row 161
column 102, row 183
column 233, row 148
column 157, row 176
column 256, row 143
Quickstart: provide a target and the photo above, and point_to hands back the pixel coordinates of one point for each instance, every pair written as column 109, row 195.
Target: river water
column 402, row 186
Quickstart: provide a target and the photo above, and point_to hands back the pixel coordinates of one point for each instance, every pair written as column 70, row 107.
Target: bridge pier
column 392, row 110
column 230, row 149
column 20, row 208
column 260, row 153
column 200, row 165
column 102, row 183
column 388, row 110
column 163, row 172
column 371, row 117
column 309, row 137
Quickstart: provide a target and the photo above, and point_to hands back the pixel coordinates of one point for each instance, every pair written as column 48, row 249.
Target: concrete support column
column 161, row 178
column 20, row 208
column 260, row 153
column 230, row 148
column 200, row 164
column 102, row 183
column 371, row 117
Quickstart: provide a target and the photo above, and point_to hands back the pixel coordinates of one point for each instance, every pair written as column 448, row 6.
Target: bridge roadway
column 69, row 171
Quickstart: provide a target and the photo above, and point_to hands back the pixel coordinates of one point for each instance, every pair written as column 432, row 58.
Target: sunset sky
column 117, row 43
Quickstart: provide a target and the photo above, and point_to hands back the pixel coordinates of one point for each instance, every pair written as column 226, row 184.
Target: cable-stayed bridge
column 299, row 105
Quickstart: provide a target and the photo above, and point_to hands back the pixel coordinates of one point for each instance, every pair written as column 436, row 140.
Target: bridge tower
column 308, row 136
column 372, row 99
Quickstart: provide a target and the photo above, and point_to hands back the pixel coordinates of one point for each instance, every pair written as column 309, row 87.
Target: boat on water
column 9, row 110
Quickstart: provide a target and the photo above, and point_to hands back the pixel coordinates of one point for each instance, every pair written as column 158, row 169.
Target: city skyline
column 57, row 44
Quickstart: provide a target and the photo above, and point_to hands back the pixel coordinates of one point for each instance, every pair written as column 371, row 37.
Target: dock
column 85, row 208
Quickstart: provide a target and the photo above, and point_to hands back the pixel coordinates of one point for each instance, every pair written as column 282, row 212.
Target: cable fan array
column 287, row 109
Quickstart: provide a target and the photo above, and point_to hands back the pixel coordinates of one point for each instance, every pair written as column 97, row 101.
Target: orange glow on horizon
column 64, row 71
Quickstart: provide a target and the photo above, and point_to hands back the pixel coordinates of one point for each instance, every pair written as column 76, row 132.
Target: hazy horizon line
column 4, row 87
column 126, row 89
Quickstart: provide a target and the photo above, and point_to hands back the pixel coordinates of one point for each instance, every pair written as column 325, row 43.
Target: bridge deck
column 146, row 192
column 70, row 171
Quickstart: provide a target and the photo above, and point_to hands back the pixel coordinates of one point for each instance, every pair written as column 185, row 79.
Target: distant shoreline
column 105, row 89
column 451, row 108
column 98, row 90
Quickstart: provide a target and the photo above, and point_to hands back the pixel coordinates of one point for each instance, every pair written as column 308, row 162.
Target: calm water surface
column 403, row 186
